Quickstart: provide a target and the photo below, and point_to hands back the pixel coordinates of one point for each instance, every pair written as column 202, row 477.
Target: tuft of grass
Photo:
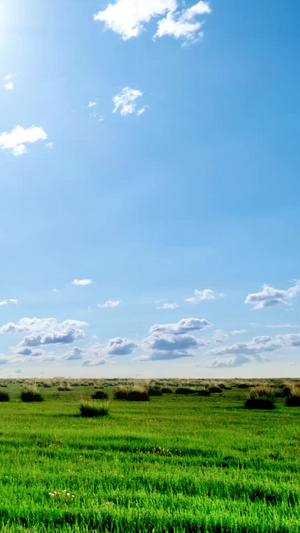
column 185, row 390
column 214, row 387
column 99, row 395
column 90, row 409
column 4, row 396
column 293, row 399
column 155, row 391
column 261, row 398
column 166, row 390
column 30, row 393
column 204, row 392
column 133, row 394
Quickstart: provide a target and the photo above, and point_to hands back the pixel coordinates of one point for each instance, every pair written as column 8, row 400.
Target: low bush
column 204, row 392
column 293, row 399
column 99, row 395
column 133, row 394
column 138, row 395
column 261, row 398
column 89, row 409
column 214, row 388
column 185, row 390
column 4, row 396
column 31, row 394
column 121, row 393
column 155, row 391
column 243, row 386
column 166, row 390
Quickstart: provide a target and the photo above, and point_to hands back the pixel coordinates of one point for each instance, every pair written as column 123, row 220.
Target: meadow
column 176, row 463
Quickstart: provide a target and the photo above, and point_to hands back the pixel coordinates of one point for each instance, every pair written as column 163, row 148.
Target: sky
column 149, row 189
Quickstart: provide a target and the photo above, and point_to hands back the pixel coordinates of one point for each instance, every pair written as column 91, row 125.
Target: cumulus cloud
column 8, row 83
column 55, row 337
column 110, row 303
column 270, row 296
column 82, row 282
column 254, row 348
column 19, row 137
column 173, row 341
column 74, row 355
column 40, row 324
column 200, row 296
column 126, row 101
column 92, row 104
column 50, row 145
column 219, row 335
column 128, row 17
column 238, row 331
column 185, row 325
column 9, row 301
column 119, row 346
column 168, row 306
column 93, row 362
column 236, row 360
column 3, row 359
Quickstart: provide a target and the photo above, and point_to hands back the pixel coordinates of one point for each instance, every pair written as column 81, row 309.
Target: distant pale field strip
column 176, row 463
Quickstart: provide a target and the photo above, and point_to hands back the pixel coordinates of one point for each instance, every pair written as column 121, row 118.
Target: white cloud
column 110, row 303
column 119, row 346
column 66, row 336
column 74, row 355
column 205, row 295
column 50, row 145
column 8, row 83
column 219, row 336
column 270, row 296
column 168, row 306
column 10, row 300
column 238, row 331
column 82, row 282
column 173, row 341
column 185, row 325
column 92, row 104
column 253, row 349
column 128, row 17
column 142, row 110
column 40, row 324
column 236, row 360
column 126, row 101
column 17, row 139
column 93, row 362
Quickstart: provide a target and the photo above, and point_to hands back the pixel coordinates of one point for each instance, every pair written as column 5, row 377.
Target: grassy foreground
column 174, row 464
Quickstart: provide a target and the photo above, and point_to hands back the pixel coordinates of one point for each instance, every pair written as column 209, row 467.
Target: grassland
column 177, row 463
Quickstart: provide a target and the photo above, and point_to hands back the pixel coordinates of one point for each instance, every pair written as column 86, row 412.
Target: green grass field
column 176, row 463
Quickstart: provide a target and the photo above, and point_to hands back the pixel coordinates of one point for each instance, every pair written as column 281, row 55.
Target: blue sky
column 149, row 150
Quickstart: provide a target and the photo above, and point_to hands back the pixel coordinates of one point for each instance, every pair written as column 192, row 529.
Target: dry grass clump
column 64, row 387
column 30, row 393
column 132, row 393
column 214, row 387
column 293, row 397
column 185, row 390
column 204, row 392
column 155, row 391
column 261, row 398
column 90, row 409
column 99, row 395
column 4, row 396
